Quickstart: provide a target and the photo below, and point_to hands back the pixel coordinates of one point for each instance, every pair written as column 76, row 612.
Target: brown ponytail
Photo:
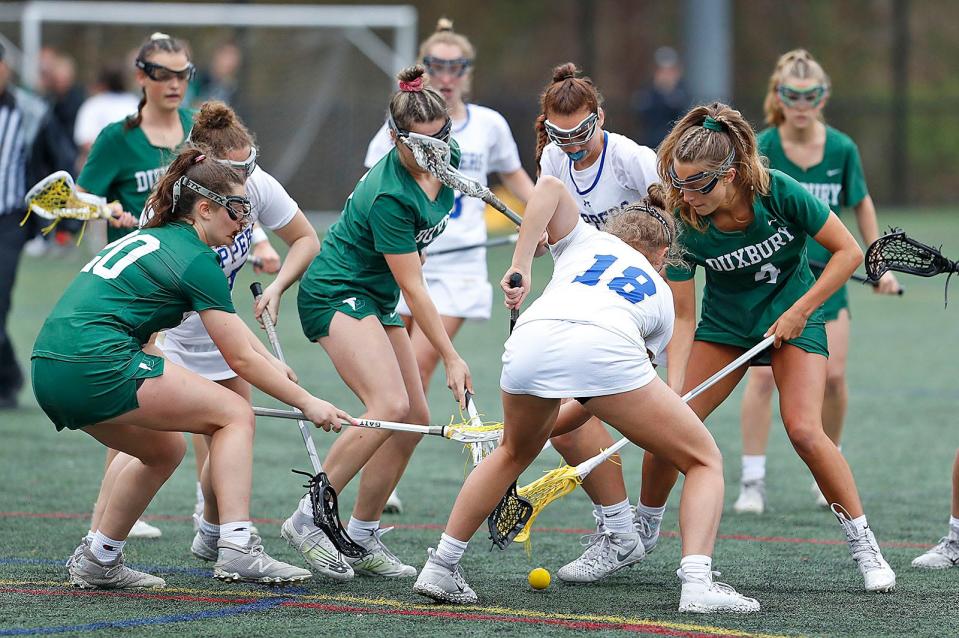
column 410, row 106
column 568, row 92
column 191, row 162
column 217, row 128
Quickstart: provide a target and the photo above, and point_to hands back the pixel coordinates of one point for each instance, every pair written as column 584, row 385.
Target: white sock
column 236, row 532
column 618, row 518
column 754, row 467
column 106, row 549
column 199, row 493
column 360, row 531
column 650, row 512
column 697, row 567
column 954, row 528
column 209, row 529
column 450, row 550
column 89, row 537
column 306, row 506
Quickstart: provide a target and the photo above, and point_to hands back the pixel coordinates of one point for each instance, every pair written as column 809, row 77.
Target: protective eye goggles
column 576, row 136
column 240, row 209
column 160, row 73
column 246, row 166
column 456, row 67
column 703, row 182
column 794, row 97
column 443, row 135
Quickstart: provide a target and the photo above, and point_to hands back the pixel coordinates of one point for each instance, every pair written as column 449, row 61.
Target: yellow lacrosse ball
column 538, row 578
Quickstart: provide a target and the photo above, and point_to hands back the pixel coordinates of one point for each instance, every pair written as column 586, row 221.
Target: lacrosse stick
column 482, row 449
column 326, row 512
column 895, row 251
column 492, row 243
column 56, row 197
column 433, row 155
column 559, row 482
column 513, row 511
column 855, row 276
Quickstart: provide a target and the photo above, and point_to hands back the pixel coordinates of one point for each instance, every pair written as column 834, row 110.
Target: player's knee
column 165, row 454
column 835, row 378
column 391, row 406
column 549, row 183
column 762, row 382
column 565, row 443
column 805, row 434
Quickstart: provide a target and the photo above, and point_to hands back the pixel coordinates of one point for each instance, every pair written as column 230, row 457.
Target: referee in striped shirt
column 13, row 165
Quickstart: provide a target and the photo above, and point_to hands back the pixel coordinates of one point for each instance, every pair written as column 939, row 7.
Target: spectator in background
column 109, row 103
column 220, row 81
column 660, row 104
column 58, row 84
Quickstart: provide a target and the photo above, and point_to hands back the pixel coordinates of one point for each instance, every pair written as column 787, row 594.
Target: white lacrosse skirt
column 554, row 358
column 456, row 295
column 198, row 354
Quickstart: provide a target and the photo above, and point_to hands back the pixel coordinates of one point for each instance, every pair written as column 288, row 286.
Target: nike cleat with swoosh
column 443, row 582
column 606, row 553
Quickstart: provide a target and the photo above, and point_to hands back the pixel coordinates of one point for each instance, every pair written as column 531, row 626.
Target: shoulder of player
column 841, row 140
column 766, row 139
column 622, row 148
column 485, row 116
column 112, row 133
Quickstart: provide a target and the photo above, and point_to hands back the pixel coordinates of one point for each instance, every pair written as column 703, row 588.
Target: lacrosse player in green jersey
column 347, row 303
column 94, row 370
column 826, row 162
column 747, row 225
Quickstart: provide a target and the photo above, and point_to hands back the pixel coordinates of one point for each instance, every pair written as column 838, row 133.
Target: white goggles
column 576, row 136
column 246, row 166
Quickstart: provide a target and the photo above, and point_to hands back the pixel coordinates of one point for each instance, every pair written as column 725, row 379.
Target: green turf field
column 901, row 437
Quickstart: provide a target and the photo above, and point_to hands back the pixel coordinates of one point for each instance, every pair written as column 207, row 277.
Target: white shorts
column 457, row 296
column 553, row 359
column 196, row 355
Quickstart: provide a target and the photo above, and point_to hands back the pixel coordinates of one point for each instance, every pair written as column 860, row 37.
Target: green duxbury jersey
column 837, row 180
column 123, row 165
column 387, row 213
column 754, row 275
column 138, row 285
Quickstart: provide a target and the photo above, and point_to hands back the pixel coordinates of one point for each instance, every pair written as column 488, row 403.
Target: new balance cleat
column 942, row 556
column 709, row 597
column 205, row 547
column 313, row 544
column 142, row 529
column 443, row 582
column 252, row 564
column 393, row 504
column 379, row 561
column 606, row 553
column 89, row 573
column 752, row 497
column 876, row 572
column 648, row 528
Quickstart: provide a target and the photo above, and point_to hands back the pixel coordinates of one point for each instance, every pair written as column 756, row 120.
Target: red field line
column 540, row 530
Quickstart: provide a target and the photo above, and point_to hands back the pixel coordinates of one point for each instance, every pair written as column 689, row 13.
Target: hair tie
column 413, row 86
column 199, row 158
column 712, row 124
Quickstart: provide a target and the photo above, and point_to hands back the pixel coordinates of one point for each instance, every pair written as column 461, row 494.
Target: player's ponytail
column 219, row 129
column 568, row 92
column 192, row 163
column 416, row 102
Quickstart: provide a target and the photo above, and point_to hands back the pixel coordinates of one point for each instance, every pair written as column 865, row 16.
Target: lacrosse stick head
column 550, row 487
column 895, row 251
column 56, row 197
column 326, row 514
column 508, row 518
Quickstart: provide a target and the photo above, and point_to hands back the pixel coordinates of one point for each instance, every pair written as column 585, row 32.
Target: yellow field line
column 403, row 604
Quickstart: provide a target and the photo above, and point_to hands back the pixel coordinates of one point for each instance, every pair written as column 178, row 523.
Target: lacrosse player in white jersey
column 458, row 281
column 592, row 336
column 602, row 171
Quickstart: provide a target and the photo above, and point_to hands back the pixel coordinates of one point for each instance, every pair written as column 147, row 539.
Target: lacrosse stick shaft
column 492, row 243
column 515, row 281
column 855, row 276
column 494, row 201
column 257, row 291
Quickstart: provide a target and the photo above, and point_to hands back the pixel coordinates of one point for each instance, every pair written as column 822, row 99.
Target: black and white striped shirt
column 13, row 156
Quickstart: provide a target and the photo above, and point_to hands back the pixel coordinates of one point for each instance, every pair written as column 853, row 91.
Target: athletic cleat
column 379, row 561
column 143, row 529
column 876, row 572
column 648, row 528
column 752, row 497
column 709, row 597
column 312, row 543
column 89, row 573
column 393, row 504
column 77, row 553
column 252, row 564
column 197, row 515
column 443, row 582
column 820, row 499
column 606, row 553
column 942, row 556
column 205, row 547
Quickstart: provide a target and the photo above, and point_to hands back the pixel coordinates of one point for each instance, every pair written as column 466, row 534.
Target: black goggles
column 705, row 181
column 443, row 135
column 239, row 208
column 456, row 67
column 160, row 73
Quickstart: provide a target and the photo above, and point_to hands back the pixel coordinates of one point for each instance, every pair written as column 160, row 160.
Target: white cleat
column 89, row 573
column 205, row 547
column 876, row 572
column 752, row 497
column 942, row 556
column 648, row 528
column 143, row 529
column 820, row 498
column 251, row 564
column 606, row 553
column 709, row 597
column 393, row 504
column 313, row 544
column 379, row 561
column 443, row 582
